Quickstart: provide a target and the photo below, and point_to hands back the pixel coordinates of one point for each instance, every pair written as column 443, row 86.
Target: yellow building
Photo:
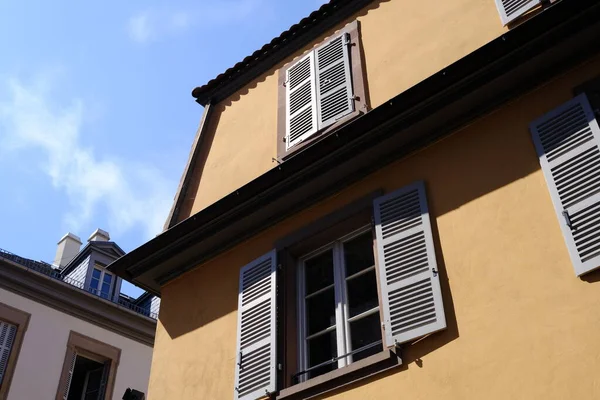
column 394, row 198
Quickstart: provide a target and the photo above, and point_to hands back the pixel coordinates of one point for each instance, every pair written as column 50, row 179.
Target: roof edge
column 284, row 45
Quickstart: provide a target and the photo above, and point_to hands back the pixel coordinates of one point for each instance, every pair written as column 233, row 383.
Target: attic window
column 320, row 91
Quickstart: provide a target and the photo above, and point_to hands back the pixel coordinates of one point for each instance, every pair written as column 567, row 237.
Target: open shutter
column 512, row 9
column 410, row 286
column 256, row 362
column 334, row 81
column 300, row 101
column 7, row 338
column 566, row 140
column 104, row 381
column 72, row 360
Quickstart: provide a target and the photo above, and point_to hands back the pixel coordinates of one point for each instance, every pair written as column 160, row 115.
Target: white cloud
column 153, row 24
column 140, row 28
column 129, row 195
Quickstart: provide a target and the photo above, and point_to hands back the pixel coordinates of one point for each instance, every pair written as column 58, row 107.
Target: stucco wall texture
column 521, row 325
column 403, row 42
column 42, row 355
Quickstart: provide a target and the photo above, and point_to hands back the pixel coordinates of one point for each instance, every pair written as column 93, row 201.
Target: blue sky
column 96, row 116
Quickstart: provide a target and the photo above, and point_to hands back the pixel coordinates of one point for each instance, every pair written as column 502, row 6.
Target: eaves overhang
column 553, row 41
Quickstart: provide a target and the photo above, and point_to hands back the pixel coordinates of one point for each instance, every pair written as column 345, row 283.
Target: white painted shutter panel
column 512, row 9
column 334, row 81
column 256, row 357
column 300, row 101
column 566, row 140
column 410, row 286
column 7, row 338
column 70, row 375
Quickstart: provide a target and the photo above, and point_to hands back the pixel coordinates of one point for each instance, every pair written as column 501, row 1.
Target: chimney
column 68, row 247
column 99, row 235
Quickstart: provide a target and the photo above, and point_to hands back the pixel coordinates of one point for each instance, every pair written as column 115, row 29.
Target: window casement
column 102, row 282
column 13, row 325
column 334, row 300
column 338, row 305
column 89, row 369
column 567, row 140
column 322, row 89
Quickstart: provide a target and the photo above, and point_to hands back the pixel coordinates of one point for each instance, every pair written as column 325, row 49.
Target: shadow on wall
column 220, row 108
column 479, row 159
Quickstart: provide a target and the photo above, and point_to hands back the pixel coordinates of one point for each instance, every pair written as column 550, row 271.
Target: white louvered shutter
column 512, row 9
column 70, row 375
column 300, row 101
column 566, row 140
column 334, row 81
column 7, row 338
column 256, row 338
column 409, row 280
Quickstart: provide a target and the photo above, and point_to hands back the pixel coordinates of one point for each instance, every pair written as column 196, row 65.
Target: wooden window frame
column 95, row 350
column 358, row 89
column 351, row 219
column 342, row 321
column 21, row 320
column 103, row 273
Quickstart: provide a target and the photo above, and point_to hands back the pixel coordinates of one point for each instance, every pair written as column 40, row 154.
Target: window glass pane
column 363, row 332
column 319, row 272
column 358, row 253
column 96, row 273
column 107, row 278
column 362, row 293
column 94, row 283
column 105, row 289
column 320, row 311
column 320, row 349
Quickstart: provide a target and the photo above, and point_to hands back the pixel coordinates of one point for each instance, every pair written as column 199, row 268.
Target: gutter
column 195, row 240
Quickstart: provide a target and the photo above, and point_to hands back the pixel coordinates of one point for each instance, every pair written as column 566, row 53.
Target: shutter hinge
column 354, row 97
column 435, row 271
column 565, row 214
column 347, row 40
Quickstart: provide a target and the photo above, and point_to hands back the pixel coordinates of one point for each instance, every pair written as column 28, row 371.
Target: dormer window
column 320, row 90
column 101, row 283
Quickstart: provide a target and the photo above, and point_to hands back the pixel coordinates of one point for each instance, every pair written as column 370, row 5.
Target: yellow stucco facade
column 403, row 43
column 521, row 325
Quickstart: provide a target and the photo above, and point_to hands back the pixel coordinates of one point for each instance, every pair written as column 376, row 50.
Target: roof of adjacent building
column 289, row 41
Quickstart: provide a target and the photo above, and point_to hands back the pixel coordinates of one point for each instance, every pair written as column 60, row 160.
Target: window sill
column 338, row 378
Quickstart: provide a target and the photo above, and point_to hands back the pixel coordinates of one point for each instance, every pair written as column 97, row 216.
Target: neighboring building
column 394, row 198
column 66, row 331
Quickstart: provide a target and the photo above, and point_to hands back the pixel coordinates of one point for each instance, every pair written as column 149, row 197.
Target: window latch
column 240, row 360
column 565, row 214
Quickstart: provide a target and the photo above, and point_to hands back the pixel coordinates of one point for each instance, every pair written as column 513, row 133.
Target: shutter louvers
column 567, row 142
column 410, row 287
column 7, row 337
column 512, row 9
column 334, row 81
column 301, row 101
column 70, row 374
column 256, row 338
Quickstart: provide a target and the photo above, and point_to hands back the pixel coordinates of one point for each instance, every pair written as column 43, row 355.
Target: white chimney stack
column 68, row 247
column 99, row 235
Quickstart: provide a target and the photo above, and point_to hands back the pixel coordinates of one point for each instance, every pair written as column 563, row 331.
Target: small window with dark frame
column 338, row 305
column 88, row 379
